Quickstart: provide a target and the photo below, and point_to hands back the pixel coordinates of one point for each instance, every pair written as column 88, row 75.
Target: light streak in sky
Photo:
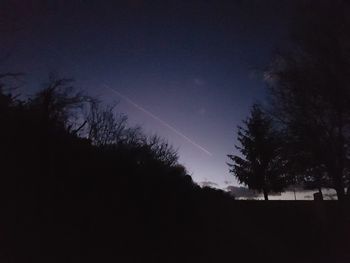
column 161, row 121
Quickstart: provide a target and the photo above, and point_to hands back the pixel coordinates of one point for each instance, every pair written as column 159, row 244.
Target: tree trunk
column 339, row 186
column 340, row 193
column 320, row 191
column 266, row 195
column 336, row 174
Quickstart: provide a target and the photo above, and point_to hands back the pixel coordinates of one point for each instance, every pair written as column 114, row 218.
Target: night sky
column 186, row 70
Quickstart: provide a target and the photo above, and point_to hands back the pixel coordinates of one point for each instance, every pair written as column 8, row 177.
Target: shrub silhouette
column 66, row 197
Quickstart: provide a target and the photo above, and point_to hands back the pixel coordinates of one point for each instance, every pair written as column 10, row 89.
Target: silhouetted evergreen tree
column 65, row 197
column 259, row 165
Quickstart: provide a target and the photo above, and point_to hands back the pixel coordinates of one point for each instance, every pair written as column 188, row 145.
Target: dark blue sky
column 196, row 65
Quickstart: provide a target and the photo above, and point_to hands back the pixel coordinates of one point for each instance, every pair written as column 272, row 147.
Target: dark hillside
column 64, row 199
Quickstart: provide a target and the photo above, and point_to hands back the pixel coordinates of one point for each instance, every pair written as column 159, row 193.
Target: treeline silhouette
column 79, row 185
column 301, row 135
column 75, row 176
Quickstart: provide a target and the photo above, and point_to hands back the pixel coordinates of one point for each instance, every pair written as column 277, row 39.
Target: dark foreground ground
column 202, row 231
column 67, row 198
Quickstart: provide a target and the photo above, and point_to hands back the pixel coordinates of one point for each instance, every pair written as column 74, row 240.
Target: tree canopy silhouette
column 259, row 165
column 68, row 194
column 310, row 93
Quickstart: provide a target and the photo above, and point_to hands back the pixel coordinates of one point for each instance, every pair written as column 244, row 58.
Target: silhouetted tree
column 104, row 125
column 59, row 104
column 163, row 151
column 309, row 87
column 111, row 200
column 299, row 165
column 261, row 166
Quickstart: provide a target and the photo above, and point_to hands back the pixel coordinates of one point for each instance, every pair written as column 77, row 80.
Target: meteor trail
column 160, row 120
